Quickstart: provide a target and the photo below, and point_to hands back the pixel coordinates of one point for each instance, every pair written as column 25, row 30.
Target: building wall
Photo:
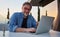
column 58, row 18
column 52, row 10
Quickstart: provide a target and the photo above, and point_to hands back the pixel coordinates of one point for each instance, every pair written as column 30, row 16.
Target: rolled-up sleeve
column 13, row 23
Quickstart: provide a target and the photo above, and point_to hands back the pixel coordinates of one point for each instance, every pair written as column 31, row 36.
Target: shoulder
column 17, row 13
column 31, row 17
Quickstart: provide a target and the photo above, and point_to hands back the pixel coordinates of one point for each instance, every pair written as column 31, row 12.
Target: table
column 6, row 34
column 20, row 34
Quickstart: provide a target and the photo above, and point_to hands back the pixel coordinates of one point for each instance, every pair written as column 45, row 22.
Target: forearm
column 25, row 30
column 20, row 29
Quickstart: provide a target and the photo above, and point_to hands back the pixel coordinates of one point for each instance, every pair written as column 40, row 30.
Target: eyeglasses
column 26, row 8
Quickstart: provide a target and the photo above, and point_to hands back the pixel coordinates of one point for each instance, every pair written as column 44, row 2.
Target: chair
column 3, row 27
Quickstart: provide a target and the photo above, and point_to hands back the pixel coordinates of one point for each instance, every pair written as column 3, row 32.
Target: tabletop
column 51, row 33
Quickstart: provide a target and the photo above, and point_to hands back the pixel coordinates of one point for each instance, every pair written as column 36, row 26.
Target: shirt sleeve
column 34, row 23
column 12, row 23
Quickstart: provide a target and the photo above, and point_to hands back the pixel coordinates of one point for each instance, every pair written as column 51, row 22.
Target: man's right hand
column 30, row 30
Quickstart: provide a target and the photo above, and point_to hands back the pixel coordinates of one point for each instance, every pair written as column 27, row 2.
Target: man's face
column 26, row 9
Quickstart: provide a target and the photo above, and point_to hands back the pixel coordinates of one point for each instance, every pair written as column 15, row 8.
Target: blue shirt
column 16, row 21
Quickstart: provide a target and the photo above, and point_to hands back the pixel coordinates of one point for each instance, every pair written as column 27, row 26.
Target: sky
column 15, row 6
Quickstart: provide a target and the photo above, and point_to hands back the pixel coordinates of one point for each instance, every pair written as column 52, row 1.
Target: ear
column 22, row 7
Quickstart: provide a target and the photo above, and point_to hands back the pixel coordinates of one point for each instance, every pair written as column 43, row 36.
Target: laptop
column 44, row 24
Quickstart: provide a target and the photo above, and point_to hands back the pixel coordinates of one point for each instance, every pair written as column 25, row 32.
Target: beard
column 25, row 14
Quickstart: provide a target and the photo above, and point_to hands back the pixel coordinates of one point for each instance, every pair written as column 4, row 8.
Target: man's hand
column 30, row 30
column 25, row 30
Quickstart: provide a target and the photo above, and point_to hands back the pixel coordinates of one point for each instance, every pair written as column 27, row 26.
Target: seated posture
column 22, row 21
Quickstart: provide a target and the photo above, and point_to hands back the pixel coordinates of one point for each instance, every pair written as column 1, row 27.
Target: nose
column 27, row 11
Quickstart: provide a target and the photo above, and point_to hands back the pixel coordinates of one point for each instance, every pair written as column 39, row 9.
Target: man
column 23, row 22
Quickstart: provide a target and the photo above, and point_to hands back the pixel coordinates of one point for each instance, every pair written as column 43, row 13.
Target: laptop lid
column 44, row 24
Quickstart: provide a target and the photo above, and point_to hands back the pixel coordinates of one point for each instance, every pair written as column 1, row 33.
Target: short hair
column 27, row 3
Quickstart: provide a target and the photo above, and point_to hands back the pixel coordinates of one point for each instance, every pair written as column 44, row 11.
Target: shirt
column 16, row 21
column 24, row 23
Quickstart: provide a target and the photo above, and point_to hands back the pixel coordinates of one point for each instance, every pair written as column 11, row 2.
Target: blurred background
column 8, row 7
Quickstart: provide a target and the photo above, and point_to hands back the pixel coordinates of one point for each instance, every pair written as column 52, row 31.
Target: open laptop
column 44, row 24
